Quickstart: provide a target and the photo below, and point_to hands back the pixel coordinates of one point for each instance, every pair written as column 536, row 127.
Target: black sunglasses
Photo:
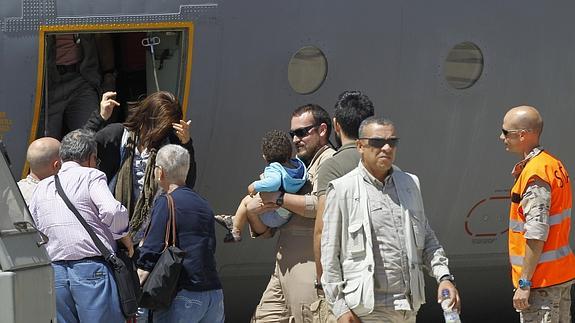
column 507, row 132
column 301, row 132
column 380, row 142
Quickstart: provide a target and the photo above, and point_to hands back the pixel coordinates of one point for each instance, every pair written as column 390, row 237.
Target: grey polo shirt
column 343, row 161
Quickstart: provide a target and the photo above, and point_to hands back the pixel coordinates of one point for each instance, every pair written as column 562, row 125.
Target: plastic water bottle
column 450, row 314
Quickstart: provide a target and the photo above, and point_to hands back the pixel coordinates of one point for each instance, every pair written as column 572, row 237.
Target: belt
column 94, row 258
column 63, row 69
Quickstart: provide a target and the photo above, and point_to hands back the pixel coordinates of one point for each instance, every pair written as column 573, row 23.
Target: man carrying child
column 291, row 291
column 283, row 173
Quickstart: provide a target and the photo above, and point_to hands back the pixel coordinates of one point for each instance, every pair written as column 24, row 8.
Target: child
column 283, row 173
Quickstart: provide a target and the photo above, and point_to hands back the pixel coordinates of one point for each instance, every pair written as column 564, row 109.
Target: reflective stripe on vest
column 545, row 257
column 518, row 226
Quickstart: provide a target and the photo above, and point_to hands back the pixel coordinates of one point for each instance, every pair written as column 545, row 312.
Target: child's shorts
column 275, row 219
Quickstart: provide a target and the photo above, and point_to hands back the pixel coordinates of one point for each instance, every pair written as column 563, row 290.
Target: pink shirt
column 88, row 191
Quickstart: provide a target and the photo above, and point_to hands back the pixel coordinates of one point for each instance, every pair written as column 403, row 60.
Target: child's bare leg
column 258, row 227
column 241, row 216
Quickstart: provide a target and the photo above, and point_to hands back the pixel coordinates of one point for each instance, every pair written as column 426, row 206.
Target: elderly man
column 84, row 284
column 542, row 263
column 291, row 290
column 44, row 161
column 376, row 238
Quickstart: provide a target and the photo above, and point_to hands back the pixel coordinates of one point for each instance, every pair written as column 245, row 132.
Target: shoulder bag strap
column 168, row 226
column 167, row 236
column 105, row 252
column 171, row 221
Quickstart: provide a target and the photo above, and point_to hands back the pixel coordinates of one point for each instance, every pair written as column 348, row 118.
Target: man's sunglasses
column 380, row 142
column 507, row 132
column 301, row 132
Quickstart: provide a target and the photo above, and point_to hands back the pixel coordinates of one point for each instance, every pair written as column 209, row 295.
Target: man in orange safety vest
column 542, row 263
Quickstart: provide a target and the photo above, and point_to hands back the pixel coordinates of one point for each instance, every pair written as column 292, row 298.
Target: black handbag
column 161, row 285
column 123, row 268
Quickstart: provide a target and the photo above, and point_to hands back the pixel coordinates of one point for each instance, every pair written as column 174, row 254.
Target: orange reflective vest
column 557, row 262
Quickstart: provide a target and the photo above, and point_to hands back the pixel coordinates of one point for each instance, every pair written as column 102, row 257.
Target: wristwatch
column 280, row 200
column 449, row 277
column 524, row 283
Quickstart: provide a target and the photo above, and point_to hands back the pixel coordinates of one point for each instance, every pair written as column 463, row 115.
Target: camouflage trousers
column 549, row 304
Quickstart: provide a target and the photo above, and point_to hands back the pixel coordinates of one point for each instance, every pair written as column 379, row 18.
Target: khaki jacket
column 347, row 250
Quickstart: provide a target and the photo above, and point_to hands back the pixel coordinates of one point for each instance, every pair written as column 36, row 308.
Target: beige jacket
column 346, row 246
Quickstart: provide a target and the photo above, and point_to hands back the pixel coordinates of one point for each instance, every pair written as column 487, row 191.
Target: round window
column 463, row 65
column 307, row 70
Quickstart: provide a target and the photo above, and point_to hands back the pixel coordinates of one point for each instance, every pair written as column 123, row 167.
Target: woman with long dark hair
column 127, row 152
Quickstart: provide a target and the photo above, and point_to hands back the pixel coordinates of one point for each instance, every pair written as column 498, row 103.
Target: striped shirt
column 88, row 191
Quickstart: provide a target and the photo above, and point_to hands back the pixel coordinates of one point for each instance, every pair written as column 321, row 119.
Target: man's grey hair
column 175, row 162
column 78, row 146
column 374, row 120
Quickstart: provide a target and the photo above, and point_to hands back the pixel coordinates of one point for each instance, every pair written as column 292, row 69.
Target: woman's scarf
column 123, row 190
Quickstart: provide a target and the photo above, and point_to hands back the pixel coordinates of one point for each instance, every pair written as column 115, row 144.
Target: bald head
column 526, row 118
column 43, row 157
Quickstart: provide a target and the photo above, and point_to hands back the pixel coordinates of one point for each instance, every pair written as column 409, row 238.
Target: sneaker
column 231, row 237
column 227, row 221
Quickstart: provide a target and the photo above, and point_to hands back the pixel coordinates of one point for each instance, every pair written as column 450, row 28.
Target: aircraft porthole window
column 307, row 69
column 463, row 65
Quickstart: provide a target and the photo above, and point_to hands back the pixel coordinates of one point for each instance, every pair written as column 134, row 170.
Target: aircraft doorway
column 77, row 65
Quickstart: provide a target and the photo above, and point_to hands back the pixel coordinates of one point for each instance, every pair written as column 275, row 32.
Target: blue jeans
column 192, row 307
column 86, row 292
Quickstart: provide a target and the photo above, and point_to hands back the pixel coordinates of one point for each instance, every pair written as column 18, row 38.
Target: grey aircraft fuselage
column 236, row 88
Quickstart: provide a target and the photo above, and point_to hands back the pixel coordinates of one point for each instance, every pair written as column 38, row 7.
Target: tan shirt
column 322, row 155
column 296, row 237
column 304, row 224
